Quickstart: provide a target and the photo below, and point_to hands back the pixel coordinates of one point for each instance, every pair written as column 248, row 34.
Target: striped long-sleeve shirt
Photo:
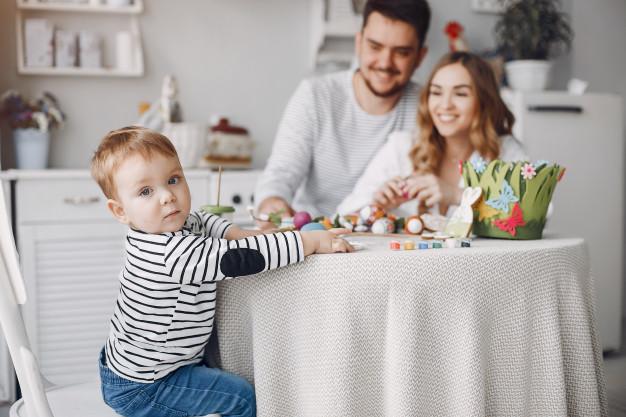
column 164, row 312
column 325, row 141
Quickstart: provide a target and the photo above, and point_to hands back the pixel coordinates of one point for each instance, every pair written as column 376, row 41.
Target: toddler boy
column 151, row 364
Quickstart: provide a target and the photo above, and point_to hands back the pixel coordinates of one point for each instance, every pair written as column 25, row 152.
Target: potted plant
column 528, row 33
column 31, row 121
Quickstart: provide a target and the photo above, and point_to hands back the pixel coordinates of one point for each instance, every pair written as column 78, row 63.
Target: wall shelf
column 135, row 8
column 25, row 8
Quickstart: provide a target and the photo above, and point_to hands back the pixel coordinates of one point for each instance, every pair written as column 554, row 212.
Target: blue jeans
column 192, row 390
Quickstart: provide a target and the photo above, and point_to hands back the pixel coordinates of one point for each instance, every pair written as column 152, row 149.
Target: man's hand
column 272, row 205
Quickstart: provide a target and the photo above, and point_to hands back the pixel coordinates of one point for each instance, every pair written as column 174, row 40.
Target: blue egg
column 312, row 226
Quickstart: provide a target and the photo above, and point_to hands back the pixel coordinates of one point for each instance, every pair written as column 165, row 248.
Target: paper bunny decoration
column 460, row 224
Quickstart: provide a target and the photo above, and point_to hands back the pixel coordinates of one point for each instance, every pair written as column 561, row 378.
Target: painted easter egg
column 369, row 214
column 312, row 226
column 413, row 225
column 382, row 226
column 301, row 218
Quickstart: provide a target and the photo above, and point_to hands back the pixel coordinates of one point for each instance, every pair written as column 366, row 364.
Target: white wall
column 599, row 54
column 241, row 58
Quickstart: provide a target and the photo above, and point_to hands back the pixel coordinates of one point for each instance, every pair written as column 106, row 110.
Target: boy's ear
column 117, row 210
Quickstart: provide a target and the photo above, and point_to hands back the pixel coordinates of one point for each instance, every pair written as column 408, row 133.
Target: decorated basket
column 516, row 196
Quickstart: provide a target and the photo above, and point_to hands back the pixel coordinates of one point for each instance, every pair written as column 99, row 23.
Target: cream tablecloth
column 500, row 329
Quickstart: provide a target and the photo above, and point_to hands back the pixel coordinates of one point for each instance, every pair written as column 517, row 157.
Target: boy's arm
column 312, row 242
column 234, row 232
column 194, row 259
column 205, row 224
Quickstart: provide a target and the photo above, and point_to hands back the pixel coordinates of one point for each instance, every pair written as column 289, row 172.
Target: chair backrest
column 12, row 294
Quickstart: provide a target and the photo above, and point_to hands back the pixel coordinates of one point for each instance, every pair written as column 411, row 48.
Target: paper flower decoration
column 510, row 225
column 479, row 164
column 506, row 197
column 528, row 171
column 485, row 211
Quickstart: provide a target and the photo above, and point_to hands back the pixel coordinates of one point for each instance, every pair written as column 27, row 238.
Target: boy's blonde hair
column 122, row 143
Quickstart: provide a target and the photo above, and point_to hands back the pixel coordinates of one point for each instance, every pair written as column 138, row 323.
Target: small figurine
column 170, row 109
column 460, row 224
column 164, row 110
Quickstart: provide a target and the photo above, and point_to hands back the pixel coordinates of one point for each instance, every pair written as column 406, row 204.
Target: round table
column 503, row 328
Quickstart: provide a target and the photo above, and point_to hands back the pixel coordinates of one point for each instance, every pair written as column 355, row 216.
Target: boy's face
column 152, row 195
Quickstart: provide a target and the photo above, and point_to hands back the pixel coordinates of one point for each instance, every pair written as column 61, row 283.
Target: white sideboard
column 71, row 251
column 584, row 134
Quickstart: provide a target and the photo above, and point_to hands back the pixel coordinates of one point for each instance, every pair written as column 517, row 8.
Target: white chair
column 39, row 397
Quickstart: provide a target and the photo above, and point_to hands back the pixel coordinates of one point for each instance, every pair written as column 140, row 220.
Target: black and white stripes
column 325, row 141
column 164, row 312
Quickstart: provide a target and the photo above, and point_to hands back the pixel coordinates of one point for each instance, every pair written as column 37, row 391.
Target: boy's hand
column 322, row 241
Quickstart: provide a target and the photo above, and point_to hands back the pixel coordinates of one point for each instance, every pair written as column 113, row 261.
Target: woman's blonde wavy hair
column 492, row 120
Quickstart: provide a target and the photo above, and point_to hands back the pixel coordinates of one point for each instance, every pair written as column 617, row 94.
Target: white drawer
column 68, row 200
column 52, row 200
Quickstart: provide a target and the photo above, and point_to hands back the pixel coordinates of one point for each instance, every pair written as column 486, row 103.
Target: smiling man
column 333, row 125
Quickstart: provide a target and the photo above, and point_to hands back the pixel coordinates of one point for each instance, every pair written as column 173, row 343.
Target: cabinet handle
column 76, row 201
column 556, row 109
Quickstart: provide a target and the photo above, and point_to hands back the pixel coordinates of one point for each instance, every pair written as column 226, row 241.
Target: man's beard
column 394, row 90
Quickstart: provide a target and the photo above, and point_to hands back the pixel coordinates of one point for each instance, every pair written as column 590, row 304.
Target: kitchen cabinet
column 94, row 16
column 71, row 252
column 585, row 135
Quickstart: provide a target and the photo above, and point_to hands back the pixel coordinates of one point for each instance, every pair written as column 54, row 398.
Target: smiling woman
column 461, row 116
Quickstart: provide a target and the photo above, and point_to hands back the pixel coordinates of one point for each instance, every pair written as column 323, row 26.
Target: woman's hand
column 432, row 190
column 390, row 195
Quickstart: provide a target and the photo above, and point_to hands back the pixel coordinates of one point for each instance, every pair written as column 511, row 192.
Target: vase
column 189, row 140
column 31, row 148
column 528, row 75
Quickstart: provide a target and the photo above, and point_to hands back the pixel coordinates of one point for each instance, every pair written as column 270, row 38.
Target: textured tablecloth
column 503, row 328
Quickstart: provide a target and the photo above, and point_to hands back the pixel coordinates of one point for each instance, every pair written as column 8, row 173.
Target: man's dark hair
column 414, row 12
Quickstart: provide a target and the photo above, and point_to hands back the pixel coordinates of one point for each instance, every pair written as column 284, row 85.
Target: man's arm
column 290, row 160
